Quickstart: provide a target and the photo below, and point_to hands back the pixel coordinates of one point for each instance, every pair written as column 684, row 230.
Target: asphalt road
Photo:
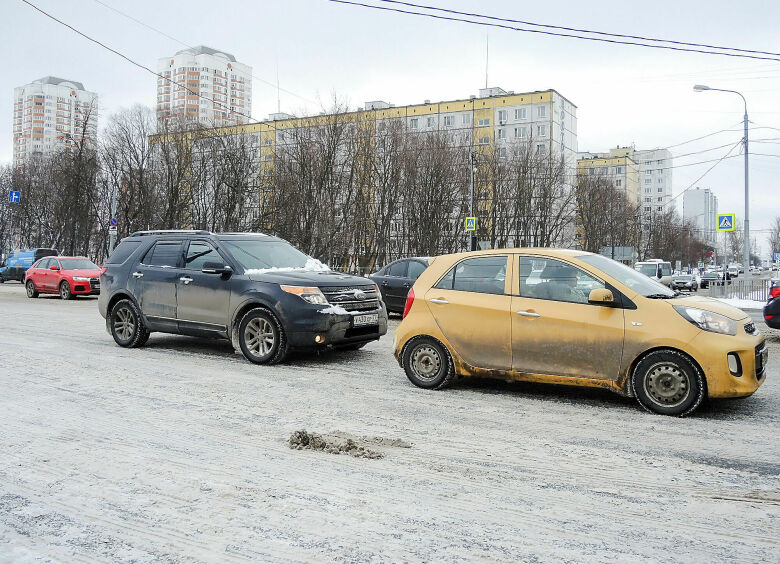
column 177, row 452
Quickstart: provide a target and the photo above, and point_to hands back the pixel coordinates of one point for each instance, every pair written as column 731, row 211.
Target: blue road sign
column 113, row 222
column 471, row 224
column 725, row 222
column 777, row 257
column 14, row 197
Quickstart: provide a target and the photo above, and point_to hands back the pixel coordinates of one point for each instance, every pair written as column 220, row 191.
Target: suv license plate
column 369, row 319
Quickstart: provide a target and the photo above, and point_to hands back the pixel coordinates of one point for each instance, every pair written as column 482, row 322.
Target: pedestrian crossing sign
column 725, row 222
column 471, row 224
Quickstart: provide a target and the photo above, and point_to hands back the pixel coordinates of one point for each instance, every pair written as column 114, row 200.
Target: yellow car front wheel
column 427, row 363
column 667, row 382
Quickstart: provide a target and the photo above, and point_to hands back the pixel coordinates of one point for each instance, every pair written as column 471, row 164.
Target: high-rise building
column 653, row 169
column 205, row 86
column 615, row 166
column 52, row 114
column 700, row 207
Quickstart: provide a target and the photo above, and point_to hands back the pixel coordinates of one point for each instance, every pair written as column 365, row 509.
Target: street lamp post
column 746, row 244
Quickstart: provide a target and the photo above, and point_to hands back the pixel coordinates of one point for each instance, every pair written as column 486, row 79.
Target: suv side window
column 44, row 263
column 199, row 253
column 164, row 253
column 415, row 269
column 397, row 269
column 122, row 252
column 485, row 275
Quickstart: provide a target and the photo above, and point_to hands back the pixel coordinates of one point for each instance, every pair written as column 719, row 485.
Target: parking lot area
column 178, row 452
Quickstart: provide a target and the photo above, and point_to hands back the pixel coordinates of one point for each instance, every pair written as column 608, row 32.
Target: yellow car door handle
column 439, row 301
column 528, row 314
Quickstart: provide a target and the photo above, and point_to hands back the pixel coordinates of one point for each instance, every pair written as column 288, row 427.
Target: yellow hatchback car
column 571, row 317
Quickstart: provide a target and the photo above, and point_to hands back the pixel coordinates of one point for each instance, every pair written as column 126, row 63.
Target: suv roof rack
column 170, row 232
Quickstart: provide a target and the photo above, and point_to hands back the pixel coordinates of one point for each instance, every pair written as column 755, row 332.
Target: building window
column 502, row 152
column 660, row 190
column 502, row 133
column 484, row 141
column 502, row 115
column 520, row 132
column 449, row 121
column 647, row 208
column 431, row 122
column 466, row 119
column 647, row 190
column 648, row 180
column 619, row 169
column 660, row 199
column 541, row 130
column 520, row 113
column 648, row 172
column 618, row 182
column 648, row 199
column 541, row 149
column 541, row 111
column 483, row 122
column 413, row 123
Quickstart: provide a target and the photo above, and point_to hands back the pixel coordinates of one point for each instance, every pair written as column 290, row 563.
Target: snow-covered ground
column 742, row 304
column 177, row 452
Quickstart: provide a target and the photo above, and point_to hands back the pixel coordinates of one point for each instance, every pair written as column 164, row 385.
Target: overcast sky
column 624, row 94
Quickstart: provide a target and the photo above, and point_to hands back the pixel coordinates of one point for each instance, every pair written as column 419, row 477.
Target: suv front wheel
column 127, row 328
column 262, row 337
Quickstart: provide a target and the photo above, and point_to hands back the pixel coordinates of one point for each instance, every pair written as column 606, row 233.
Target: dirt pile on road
column 304, row 440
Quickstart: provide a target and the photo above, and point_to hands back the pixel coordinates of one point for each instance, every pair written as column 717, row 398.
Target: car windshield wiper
column 662, row 296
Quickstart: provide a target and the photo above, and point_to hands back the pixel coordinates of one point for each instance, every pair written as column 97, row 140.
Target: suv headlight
column 310, row 294
column 81, row 278
column 708, row 320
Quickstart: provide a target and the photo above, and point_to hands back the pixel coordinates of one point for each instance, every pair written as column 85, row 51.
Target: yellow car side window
column 550, row 279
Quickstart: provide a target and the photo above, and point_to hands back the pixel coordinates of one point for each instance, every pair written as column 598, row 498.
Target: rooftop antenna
column 487, row 57
column 278, row 96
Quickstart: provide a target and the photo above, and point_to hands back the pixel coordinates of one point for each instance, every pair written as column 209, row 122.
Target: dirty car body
column 205, row 284
column 570, row 317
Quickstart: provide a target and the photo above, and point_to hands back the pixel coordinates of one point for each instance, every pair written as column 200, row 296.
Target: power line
column 717, row 162
column 574, row 29
column 556, row 34
column 179, row 41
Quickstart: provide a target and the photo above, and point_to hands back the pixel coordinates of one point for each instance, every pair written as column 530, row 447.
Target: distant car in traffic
column 772, row 306
column 20, row 260
column 685, row 282
column 395, row 279
column 569, row 317
column 67, row 276
column 708, row 278
column 256, row 290
column 734, row 271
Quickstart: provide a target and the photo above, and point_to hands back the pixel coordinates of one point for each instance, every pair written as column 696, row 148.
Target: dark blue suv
column 259, row 291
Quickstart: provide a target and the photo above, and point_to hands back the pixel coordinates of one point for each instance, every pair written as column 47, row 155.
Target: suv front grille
column 760, row 360
column 352, row 298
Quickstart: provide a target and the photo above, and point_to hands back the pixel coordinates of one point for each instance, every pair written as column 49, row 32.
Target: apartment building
column 619, row 168
column 653, row 169
column 700, row 207
column 204, row 85
column 51, row 114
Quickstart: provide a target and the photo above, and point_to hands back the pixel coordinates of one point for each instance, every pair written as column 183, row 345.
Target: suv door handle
column 528, row 314
column 439, row 301
column 186, row 279
column 138, row 274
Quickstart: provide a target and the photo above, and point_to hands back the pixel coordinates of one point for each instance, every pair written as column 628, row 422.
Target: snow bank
column 742, row 304
column 312, row 265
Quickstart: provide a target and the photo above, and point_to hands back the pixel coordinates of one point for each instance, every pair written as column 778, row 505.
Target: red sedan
column 66, row 276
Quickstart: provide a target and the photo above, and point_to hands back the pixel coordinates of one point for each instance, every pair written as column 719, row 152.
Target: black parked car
column 772, row 307
column 395, row 279
column 259, row 291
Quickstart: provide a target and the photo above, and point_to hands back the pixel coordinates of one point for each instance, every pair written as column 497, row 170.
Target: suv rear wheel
column 126, row 326
column 31, row 291
column 262, row 337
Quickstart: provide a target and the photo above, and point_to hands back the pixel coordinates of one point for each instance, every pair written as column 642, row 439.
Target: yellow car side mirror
column 601, row 296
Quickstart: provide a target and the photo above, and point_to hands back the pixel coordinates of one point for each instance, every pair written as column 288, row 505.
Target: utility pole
column 112, row 229
column 472, row 234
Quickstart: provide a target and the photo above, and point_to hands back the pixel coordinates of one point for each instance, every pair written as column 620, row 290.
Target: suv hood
column 309, row 278
column 709, row 304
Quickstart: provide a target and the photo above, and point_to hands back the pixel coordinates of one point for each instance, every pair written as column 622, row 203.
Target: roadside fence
column 742, row 288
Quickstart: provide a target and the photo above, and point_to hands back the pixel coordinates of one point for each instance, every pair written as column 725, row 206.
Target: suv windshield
column 78, row 264
column 633, row 279
column 266, row 255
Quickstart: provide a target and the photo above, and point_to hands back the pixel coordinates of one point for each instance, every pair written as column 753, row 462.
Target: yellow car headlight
column 708, row 320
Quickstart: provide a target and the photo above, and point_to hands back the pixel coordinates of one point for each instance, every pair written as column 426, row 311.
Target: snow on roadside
column 742, row 304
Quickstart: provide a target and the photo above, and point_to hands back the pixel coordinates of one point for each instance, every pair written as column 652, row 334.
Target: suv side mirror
column 215, row 268
column 601, row 296
column 54, row 267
